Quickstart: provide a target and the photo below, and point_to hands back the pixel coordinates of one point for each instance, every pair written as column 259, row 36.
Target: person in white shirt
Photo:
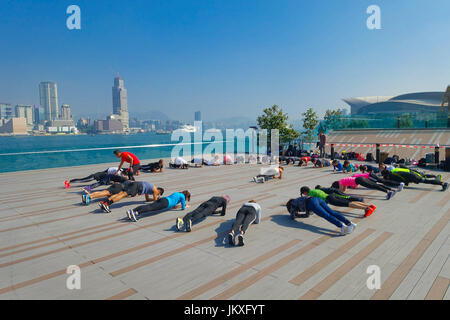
column 273, row 172
column 179, row 162
column 214, row 161
column 249, row 213
column 95, row 176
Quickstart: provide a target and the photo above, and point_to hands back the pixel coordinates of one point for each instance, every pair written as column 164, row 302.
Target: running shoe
column 132, row 215
column 401, row 186
column 390, row 194
column 351, row 227
column 369, row 210
column 87, row 189
column 255, row 179
column 179, row 224
column 240, row 240
column 67, row 184
column 87, row 199
column 188, row 225
column 439, row 177
column 445, row 186
column 104, row 206
column 231, row 239
column 83, row 198
column 343, row 230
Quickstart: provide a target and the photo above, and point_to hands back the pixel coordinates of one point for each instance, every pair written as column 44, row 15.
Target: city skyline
column 224, row 58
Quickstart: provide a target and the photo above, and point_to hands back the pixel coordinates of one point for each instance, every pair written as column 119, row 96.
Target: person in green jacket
column 338, row 201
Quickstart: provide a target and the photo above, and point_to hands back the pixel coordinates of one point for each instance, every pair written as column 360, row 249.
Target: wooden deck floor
column 44, row 229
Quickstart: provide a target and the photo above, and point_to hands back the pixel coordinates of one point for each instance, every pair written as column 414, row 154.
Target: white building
column 48, row 92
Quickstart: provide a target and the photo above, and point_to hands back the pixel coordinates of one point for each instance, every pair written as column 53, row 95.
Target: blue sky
column 225, row 58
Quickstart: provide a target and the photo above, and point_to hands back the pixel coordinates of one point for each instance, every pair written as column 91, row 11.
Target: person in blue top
column 368, row 168
column 348, row 167
column 337, row 166
column 177, row 199
column 319, row 207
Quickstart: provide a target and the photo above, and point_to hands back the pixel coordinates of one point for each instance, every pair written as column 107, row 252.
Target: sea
column 19, row 153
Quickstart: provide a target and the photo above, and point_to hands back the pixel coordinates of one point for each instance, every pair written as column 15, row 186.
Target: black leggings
column 135, row 168
column 337, row 201
column 244, row 218
column 157, row 205
column 388, row 183
column 107, row 180
column 415, row 178
column 371, row 184
column 203, row 210
column 95, row 176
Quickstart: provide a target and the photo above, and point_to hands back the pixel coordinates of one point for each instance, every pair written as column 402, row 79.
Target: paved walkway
column 44, row 229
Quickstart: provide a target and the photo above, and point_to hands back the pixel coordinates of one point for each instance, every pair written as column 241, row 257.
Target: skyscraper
column 198, row 116
column 120, row 102
column 48, row 92
column 66, row 113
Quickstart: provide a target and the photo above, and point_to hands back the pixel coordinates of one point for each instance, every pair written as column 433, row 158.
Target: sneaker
column 87, row 189
column 262, row 180
column 351, row 227
column 87, row 199
column 401, row 186
column 373, row 206
column 231, row 239
column 132, row 215
column 343, row 230
column 368, row 211
column 67, row 184
column 188, row 225
column 255, row 179
column 445, row 186
column 439, row 177
column 104, row 206
column 179, row 224
column 83, row 198
column 240, row 240
column 390, row 194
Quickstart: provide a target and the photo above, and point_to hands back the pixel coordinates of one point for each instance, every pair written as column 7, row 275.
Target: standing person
column 207, row 208
column 176, row 199
column 352, row 182
column 249, row 213
column 319, row 207
column 338, row 201
column 322, row 143
column 134, row 162
column 154, row 166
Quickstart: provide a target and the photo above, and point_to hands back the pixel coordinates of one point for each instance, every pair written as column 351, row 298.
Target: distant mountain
column 149, row 115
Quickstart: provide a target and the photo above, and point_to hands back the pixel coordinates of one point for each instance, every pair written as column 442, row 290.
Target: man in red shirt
column 134, row 162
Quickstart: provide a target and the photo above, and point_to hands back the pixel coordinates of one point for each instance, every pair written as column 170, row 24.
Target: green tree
column 333, row 120
column 405, row 121
column 310, row 122
column 274, row 118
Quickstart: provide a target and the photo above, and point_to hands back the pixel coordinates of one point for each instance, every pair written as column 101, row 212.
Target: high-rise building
column 26, row 112
column 198, row 116
column 6, row 111
column 48, row 92
column 120, row 102
column 38, row 115
column 66, row 113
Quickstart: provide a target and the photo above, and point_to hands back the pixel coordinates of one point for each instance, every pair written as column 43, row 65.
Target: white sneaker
column 401, row 186
column 255, row 179
column 343, row 230
column 351, row 227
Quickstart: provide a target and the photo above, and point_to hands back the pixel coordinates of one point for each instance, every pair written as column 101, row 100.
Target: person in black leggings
column 249, row 213
column 205, row 209
column 342, row 185
column 154, row 166
column 108, row 179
